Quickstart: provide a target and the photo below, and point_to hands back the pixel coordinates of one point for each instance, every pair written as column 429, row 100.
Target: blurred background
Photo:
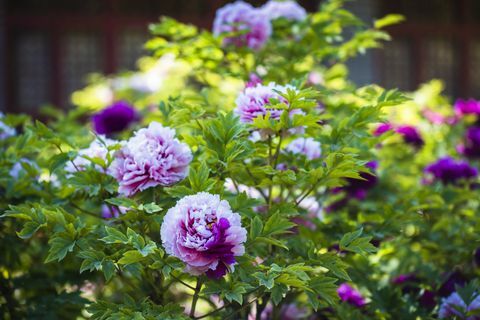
column 48, row 47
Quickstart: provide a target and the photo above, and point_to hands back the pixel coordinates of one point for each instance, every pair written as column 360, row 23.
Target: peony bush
column 239, row 174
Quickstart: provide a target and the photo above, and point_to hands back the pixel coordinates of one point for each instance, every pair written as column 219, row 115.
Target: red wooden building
column 49, row 46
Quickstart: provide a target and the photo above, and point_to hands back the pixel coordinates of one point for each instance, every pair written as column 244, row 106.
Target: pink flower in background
column 109, row 212
column 350, row 295
column 251, row 27
column 252, row 102
column 288, row 9
column 253, row 80
column 382, row 128
column 150, row 158
column 306, row 146
column 202, row 231
column 410, row 135
column 463, row 107
column 97, row 149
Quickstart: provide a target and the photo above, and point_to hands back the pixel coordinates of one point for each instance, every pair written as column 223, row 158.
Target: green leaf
column 150, row 207
column 130, row 257
column 266, row 280
column 256, row 227
column 277, row 225
column 333, row 263
column 114, row 236
column 388, row 20
column 108, row 268
column 61, row 244
column 29, row 229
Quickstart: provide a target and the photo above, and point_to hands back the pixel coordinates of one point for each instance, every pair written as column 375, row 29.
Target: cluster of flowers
column 241, row 24
column 410, row 134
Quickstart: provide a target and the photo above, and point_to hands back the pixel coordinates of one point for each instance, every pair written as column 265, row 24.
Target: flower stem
column 195, row 298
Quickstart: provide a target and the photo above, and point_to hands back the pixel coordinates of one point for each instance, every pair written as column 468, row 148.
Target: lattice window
column 130, row 48
column 81, row 55
column 32, row 70
column 441, row 62
column 397, row 65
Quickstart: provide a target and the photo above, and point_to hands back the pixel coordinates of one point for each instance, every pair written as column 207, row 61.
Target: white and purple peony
column 310, row 148
column 5, row 130
column 152, row 157
column 252, row 102
column 203, row 232
column 97, row 149
column 288, row 9
column 251, row 25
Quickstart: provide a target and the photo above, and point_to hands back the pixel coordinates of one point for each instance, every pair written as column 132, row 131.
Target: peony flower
column 97, row 149
column 382, row 128
column 471, row 148
column 252, row 102
column 202, row 231
column 288, row 9
column 350, row 295
column 251, row 26
column 410, row 135
column 253, row 80
column 463, row 107
column 115, row 118
column 455, row 306
column 448, row 170
column 152, row 157
column 5, row 130
column 306, row 146
column 109, row 212
column 357, row 188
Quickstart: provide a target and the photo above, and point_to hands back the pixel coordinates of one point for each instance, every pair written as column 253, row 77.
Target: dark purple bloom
column 410, row 135
column 115, row 118
column 350, row 295
column 357, row 188
column 427, row 299
column 456, row 278
column 471, row 148
column 463, row 107
column 448, row 170
column 382, row 128
column 403, row 278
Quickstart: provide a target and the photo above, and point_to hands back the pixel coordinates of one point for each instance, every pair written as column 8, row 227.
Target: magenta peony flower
column 463, row 107
column 150, row 158
column 350, row 295
column 382, row 128
column 202, row 231
column 252, row 102
column 109, row 212
column 97, row 149
column 410, row 135
column 471, row 148
column 251, row 27
column 288, row 9
column 253, row 80
column 306, row 146
column 115, row 118
column 454, row 306
column 5, row 131
column 448, row 170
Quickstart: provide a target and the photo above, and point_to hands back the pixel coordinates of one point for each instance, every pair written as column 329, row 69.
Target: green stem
column 195, row 298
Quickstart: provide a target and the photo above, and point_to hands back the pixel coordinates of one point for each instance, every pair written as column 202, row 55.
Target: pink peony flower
column 252, row 102
column 251, row 26
column 288, row 9
column 306, row 146
column 97, row 149
column 202, row 231
column 150, row 158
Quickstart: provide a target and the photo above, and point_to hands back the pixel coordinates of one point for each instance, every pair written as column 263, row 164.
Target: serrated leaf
column 114, row 236
column 130, row 257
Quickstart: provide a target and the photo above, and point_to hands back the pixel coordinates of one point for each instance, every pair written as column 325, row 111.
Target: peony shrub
column 239, row 174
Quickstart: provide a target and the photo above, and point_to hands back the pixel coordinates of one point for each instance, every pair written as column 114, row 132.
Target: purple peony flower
column 288, row 9
column 202, row 231
column 454, row 279
column 471, row 148
column 253, row 80
column 115, row 118
column 357, row 188
column 382, row 128
column 251, row 27
column 109, row 212
column 150, row 158
column 463, row 107
column 5, row 130
column 252, row 102
column 306, row 146
column 410, row 135
column 403, row 278
column 448, row 170
column 350, row 295
column 454, row 306
column 97, row 149
column 427, row 299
